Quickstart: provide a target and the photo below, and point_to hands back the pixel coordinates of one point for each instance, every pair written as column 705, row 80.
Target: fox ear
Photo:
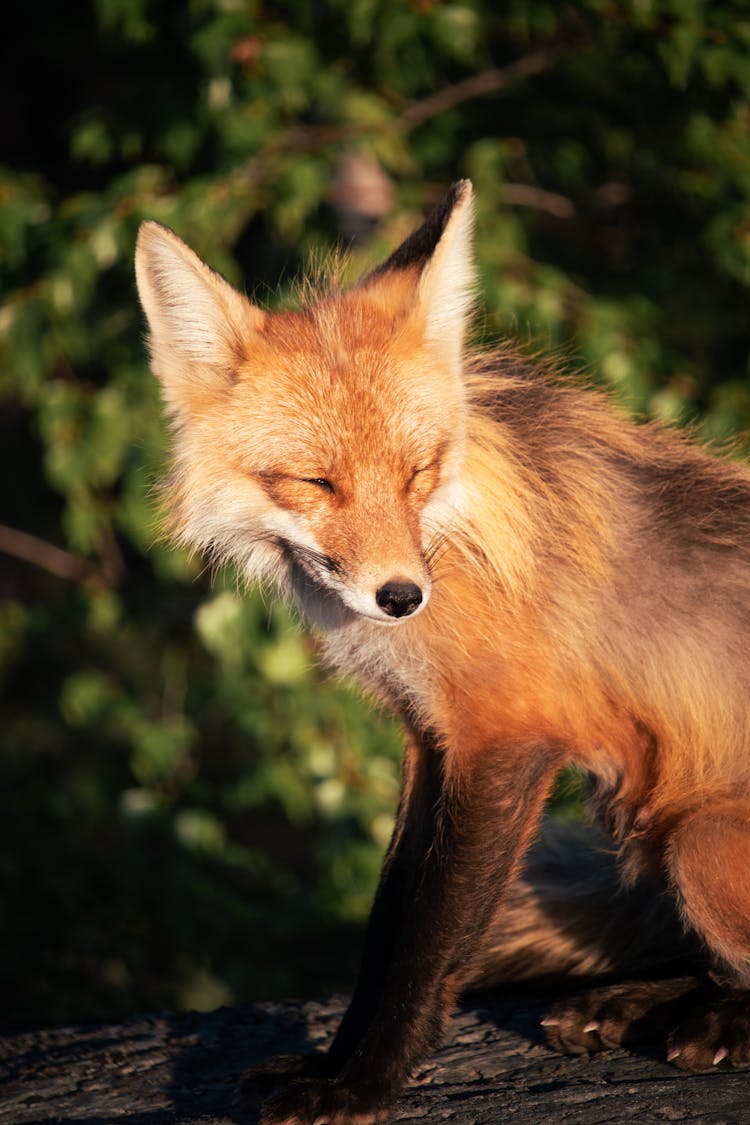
column 199, row 324
column 440, row 253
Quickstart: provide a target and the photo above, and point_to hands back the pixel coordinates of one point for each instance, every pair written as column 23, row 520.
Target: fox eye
column 320, row 482
column 418, row 472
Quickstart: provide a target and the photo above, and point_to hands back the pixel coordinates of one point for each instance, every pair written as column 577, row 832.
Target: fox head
column 320, row 449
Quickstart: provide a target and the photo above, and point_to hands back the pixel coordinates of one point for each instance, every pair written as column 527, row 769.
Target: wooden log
column 493, row 1068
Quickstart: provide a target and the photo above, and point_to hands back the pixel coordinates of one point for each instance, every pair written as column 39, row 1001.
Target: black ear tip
column 460, row 190
column 420, row 246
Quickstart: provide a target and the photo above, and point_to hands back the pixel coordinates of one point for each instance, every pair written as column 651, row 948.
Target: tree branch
column 478, row 85
column 308, row 138
column 46, row 555
column 525, row 195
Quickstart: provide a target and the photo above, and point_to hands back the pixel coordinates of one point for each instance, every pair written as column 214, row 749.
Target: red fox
column 528, row 579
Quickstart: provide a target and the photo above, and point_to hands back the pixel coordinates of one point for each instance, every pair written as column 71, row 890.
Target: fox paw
column 262, row 1080
column 604, row 1018
column 317, row 1102
column 718, row 1037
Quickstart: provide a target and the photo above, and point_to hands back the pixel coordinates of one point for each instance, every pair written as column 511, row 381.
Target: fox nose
column 398, row 599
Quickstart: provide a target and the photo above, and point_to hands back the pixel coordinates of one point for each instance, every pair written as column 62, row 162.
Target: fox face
column 321, row 449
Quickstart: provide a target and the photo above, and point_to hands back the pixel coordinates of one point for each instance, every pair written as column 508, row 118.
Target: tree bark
column 493, row 1067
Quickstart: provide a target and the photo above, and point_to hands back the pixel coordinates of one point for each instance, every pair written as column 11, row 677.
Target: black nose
column 398, row 599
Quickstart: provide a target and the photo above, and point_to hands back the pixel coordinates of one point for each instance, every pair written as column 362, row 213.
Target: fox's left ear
column 439, row 255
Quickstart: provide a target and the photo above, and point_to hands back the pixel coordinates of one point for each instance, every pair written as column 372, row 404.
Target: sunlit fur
column 586, row 579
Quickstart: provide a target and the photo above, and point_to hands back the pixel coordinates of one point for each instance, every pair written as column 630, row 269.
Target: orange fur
column 709, row 862
column 597, row 623
column 583, row 583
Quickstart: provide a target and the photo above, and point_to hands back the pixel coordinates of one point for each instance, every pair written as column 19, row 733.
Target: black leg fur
column 455, row 848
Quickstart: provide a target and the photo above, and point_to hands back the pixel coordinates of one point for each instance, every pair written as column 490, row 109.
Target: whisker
column 316, row 559
column 437, row 547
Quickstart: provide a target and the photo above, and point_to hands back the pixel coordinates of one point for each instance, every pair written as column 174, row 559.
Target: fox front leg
column 412, row 835
column 460, row 836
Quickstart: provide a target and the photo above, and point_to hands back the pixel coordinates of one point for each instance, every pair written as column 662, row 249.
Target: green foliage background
column 189, row 812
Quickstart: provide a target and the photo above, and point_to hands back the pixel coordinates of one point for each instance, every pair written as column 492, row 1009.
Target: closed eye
column 431, row 470
column 320, row 482
column 423, row 469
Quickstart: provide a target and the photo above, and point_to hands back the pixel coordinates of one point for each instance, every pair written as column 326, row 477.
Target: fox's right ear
column 198, row 324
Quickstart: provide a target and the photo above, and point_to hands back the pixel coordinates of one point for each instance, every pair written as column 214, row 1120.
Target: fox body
column 528, row 579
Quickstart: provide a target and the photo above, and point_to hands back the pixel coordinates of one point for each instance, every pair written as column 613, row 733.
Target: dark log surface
column 493, row 1067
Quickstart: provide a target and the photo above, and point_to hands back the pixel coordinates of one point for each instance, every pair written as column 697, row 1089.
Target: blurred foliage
column 190, row 811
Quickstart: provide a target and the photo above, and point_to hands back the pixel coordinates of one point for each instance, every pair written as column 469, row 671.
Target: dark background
column 189, row 812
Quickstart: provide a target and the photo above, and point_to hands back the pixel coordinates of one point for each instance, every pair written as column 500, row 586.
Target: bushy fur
column 584, row 582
